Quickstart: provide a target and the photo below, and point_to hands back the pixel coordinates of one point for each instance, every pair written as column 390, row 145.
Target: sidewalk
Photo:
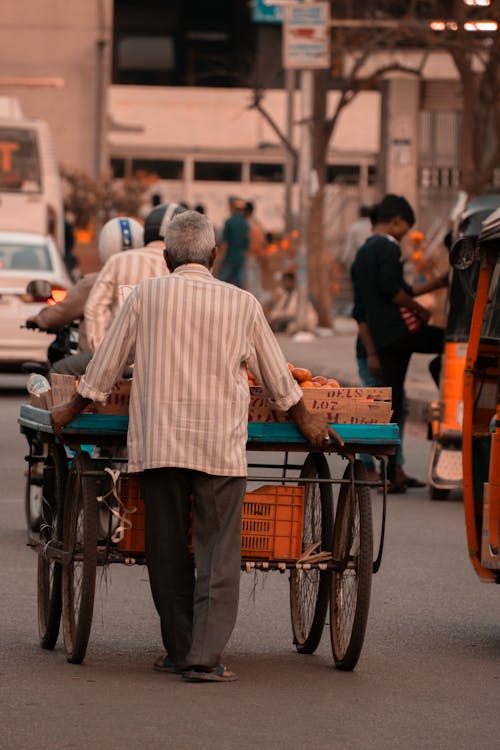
column 334, row 356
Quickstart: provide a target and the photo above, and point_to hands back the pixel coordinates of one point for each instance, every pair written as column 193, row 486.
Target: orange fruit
column 301, row 373
column 307, row 384
column 320, row 380
column 332, row 383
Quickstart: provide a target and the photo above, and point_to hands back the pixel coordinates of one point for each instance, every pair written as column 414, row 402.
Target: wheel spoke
column 351, row 584
column 309, row 588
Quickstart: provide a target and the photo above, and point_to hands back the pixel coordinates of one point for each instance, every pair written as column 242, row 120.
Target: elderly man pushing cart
column 191, row 337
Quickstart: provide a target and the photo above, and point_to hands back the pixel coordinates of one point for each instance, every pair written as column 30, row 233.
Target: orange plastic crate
column 271, row 521
column 129, row 492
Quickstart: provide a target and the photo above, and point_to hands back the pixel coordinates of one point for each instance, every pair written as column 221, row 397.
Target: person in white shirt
column 191, row 337
column 143, row 263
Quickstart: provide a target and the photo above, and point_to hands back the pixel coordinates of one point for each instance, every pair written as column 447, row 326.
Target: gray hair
column 189, row 238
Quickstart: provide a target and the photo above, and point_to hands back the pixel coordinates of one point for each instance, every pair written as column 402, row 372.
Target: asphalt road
column 428, row 677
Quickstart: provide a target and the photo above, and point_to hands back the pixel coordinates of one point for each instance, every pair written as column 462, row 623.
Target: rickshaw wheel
column 49, row 599
column 309, row 589
column 33, row 498
column 79, row 569
column 351, row 585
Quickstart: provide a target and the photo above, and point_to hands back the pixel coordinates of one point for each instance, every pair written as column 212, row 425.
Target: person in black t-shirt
column 391, row 320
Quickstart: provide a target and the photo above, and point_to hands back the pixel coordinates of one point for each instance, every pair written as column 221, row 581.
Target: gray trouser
column 197, row 616
column 73, row 364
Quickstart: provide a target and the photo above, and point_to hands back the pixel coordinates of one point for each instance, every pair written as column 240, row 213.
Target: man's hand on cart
column 62, row 415
column 314, row 427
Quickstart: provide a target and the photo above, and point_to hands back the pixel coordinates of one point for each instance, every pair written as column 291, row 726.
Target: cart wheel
column 33, row 503
column 351, row 586
column 309, row 589
column 48, row 568
column 33, row 495
column 79, row 569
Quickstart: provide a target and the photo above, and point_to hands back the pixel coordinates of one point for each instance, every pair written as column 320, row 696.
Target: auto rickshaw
column 445, row 463
column 481, row 410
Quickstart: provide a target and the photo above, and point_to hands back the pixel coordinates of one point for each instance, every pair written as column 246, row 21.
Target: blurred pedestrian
column 235, row 243
column 357, row 234
column 397, row 323
column 283, row 310
column 256, row 246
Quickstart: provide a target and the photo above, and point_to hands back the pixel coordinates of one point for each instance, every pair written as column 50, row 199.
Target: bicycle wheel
column 309, row 589
column 49, row 599
column 79, row 569
column 33, row 493
column 351, row 586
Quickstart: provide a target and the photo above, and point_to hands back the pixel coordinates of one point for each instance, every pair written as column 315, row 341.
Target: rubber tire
column 49, row 570
column 435, row 493
column 346, row 651
column 33, row 520
column 79, row 575
column 306, row 636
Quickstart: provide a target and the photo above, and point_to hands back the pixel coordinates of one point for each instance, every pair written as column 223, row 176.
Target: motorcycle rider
column 120, row 233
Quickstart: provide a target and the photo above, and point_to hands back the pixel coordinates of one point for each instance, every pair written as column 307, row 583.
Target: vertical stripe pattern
column 190, row 337
column 121, row 269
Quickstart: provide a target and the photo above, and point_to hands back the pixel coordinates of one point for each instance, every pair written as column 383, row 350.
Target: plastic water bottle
column 37, row 384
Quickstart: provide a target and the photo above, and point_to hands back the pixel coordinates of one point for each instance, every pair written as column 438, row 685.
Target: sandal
column 220, row 673
column 165, row 664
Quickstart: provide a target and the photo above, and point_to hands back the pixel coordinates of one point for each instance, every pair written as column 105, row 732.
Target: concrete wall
column 220, row 118
column 67, row 40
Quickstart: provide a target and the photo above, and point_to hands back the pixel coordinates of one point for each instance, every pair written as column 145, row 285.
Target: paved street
column 428, row 677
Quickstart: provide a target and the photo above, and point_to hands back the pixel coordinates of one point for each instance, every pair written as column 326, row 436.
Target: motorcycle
column 65, row 343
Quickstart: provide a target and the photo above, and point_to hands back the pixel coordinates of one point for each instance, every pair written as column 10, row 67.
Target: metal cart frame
column 334, row 569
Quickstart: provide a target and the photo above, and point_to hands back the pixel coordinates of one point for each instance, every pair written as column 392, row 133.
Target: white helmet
column 119, row 234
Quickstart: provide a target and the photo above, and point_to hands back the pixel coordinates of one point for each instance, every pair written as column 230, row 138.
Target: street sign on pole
column 306, row 36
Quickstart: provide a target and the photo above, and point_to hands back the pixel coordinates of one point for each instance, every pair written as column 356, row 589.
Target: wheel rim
column 307, row 581
column 49, row 568
column 346, row 582
column 75, row 568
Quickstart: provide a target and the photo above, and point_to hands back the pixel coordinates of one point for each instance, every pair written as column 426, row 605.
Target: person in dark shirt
column 391, row 320
column 235, row 242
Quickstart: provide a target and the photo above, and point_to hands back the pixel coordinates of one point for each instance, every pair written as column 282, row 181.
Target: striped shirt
column 129, row 267
column 190, row 337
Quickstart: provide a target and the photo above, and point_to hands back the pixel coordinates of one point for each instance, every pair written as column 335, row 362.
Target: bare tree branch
column 256, row 103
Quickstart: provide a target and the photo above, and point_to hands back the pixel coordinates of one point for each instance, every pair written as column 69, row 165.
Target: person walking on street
column 396, row 321
column 235, row 243
column 191, row 338
column 357, row 234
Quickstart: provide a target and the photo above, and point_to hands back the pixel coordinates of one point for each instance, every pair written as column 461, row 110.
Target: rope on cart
column 120, row 512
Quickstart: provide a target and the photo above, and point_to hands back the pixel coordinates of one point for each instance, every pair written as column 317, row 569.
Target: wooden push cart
column 327, row 547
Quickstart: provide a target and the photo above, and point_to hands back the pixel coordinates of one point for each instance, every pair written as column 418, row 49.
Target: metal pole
column 290, row 79
column 305, row 167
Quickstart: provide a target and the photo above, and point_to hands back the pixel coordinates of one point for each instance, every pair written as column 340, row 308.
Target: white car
column 23, row 258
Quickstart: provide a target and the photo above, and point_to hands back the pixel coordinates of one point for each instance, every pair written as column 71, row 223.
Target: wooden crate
column 339, row 405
